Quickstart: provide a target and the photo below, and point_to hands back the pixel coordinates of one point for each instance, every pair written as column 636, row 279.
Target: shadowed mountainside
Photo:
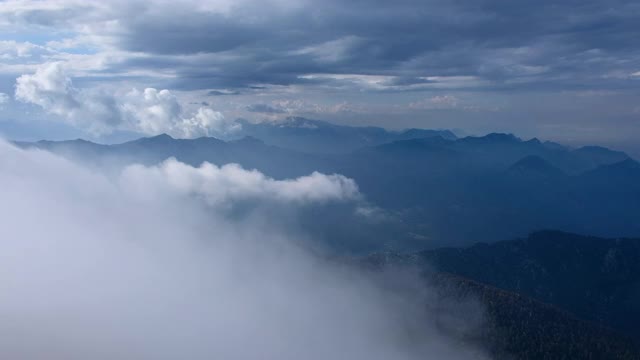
column 594, row 278
column 520, row 328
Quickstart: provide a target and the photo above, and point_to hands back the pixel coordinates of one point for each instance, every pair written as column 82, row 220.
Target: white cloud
column 150, row 111
column 48, row 88
column 439, row 102
column 4, row 98
column 280, row 109
column 208, row 122
column 22, row 51
column 107, row 274
column 370, row 82
column 156, row 111
column 231, row 183
column 450, row 102
column 51, row 89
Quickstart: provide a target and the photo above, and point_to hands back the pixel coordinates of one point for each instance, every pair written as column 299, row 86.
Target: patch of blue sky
column 34, row 37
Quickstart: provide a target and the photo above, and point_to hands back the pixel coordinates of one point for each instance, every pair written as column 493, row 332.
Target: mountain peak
column 494, row 138
column 163, row 136
column 423, row 133
column 501, row 137
column 156, row 139
column 593, row 148
column 599, row 151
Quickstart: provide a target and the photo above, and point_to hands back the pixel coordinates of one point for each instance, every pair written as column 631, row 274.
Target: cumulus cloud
column 50, row 88
column 158, row 111
column 150, row 111
column 231, row 183
column 91, row 269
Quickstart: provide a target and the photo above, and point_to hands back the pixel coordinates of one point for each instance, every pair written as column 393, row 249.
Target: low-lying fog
column 150, row 264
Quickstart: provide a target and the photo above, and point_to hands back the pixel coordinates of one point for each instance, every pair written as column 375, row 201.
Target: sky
column 567, row 71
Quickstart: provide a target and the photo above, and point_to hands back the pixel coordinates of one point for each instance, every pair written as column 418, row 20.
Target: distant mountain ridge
column 438, row 191
column 316, row 136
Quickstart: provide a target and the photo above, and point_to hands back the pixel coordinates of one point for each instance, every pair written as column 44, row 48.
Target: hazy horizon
column 566, row 72
column 16, row 134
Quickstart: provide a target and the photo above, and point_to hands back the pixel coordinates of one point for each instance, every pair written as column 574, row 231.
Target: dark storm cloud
column 373, row 55
column 530, row 43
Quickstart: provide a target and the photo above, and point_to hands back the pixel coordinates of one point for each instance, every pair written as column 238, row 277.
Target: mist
column 148, row 264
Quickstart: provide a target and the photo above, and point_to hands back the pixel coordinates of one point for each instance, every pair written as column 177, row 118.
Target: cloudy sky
column 562, row 70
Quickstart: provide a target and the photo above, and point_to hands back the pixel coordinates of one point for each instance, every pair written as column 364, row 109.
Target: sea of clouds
column 148, row 264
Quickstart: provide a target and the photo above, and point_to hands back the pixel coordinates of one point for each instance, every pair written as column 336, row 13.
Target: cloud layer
column 231, row 183
column 93, row 268
column 224, row 44
column 521, row 68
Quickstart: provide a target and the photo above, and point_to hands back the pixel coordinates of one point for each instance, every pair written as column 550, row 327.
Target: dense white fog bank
column 146, row 266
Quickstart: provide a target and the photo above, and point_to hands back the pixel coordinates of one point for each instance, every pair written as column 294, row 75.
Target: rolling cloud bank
column 148, row 264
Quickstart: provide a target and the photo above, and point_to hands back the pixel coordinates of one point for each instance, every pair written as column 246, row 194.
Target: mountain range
column 437, row 189
column 322, row 137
